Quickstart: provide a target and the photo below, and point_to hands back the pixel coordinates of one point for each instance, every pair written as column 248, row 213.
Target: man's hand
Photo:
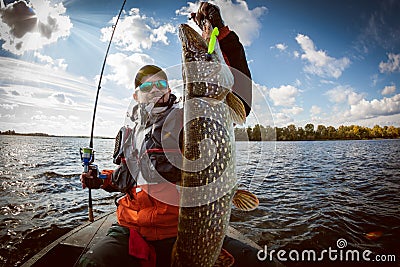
column 210, row 12
column 90, row 180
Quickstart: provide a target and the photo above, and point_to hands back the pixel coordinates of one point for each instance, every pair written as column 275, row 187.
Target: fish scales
column 209, row 177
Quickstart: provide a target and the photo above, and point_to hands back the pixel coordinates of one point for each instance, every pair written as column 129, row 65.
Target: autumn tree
column 309, row 129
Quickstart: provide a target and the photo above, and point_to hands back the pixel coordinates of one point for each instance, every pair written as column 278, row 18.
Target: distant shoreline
column 50, row 135
column 12, row 133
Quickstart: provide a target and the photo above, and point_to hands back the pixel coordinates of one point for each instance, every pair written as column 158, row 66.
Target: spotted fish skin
column 209, row 177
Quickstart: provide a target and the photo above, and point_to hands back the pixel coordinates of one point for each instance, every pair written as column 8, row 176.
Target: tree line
column 12, row 132
column 293, row 133
column 310, row 132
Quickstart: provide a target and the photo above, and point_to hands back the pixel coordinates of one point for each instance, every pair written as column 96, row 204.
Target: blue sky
column 321, row 62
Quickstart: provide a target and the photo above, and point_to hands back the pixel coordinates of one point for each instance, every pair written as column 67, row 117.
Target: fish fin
column 225, row 259
column 238, row 112
column 245, row 201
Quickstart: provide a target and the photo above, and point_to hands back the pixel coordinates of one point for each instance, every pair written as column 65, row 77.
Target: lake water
column 311, row 194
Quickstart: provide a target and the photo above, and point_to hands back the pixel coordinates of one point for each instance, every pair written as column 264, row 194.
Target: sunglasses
column 147, row 86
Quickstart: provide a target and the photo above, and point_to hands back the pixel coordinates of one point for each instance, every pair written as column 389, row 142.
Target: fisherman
column 143, row 219
column 148, row 213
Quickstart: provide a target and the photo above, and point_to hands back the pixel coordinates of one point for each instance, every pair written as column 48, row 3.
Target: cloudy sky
column 321, row 62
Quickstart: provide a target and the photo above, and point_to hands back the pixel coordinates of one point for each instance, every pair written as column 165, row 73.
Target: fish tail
column 238, row 112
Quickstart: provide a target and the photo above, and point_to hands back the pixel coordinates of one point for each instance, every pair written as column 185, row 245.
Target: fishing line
column 90, row 149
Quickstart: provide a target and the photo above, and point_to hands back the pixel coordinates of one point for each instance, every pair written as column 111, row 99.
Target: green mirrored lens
column 147, row 86
column 161, row 84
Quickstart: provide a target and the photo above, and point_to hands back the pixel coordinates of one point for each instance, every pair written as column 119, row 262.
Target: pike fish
column 209, row 181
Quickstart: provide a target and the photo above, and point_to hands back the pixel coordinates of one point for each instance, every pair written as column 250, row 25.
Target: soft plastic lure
column 213, row 40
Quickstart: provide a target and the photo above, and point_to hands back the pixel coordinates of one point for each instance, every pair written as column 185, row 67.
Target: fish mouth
column 191, row 40
column 204, row 76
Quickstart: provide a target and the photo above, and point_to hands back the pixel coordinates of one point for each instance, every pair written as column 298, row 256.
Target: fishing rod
column 87, row 153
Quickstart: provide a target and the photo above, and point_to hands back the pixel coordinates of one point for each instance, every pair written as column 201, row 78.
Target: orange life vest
column 152, row 210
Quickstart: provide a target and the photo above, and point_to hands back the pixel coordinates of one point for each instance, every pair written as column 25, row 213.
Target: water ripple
column 318, row 192
column 311, row 193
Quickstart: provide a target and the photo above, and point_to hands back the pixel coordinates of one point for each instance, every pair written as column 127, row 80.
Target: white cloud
column 30, row 26
column 315, row 110
column 61, row 98
column 294, row 110
column 374, row 79
column 392, row 65
column 244, row 21
column 50, row 101
column 136, row 32
column 341, row 94
column 285, row 95
column 8, row 106
column 160, row 34
column 390, row 89
column 49, row 62
column 59, row 124
column 380, row 30
column 319, row 63
column 282, row 119
column 8, row 116
column 369, row 109
column 353, row 98
column 281, row 47
column 379, row 120
column 365, row 112
column 124, row 68
column 261, row 112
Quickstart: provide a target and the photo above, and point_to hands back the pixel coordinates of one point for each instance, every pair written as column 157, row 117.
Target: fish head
column 205, row 75
column 194, row 47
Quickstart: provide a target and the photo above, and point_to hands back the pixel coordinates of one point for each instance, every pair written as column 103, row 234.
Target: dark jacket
column 235, row 57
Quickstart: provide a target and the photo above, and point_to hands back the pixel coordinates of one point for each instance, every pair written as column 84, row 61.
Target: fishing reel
column 87, row 158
